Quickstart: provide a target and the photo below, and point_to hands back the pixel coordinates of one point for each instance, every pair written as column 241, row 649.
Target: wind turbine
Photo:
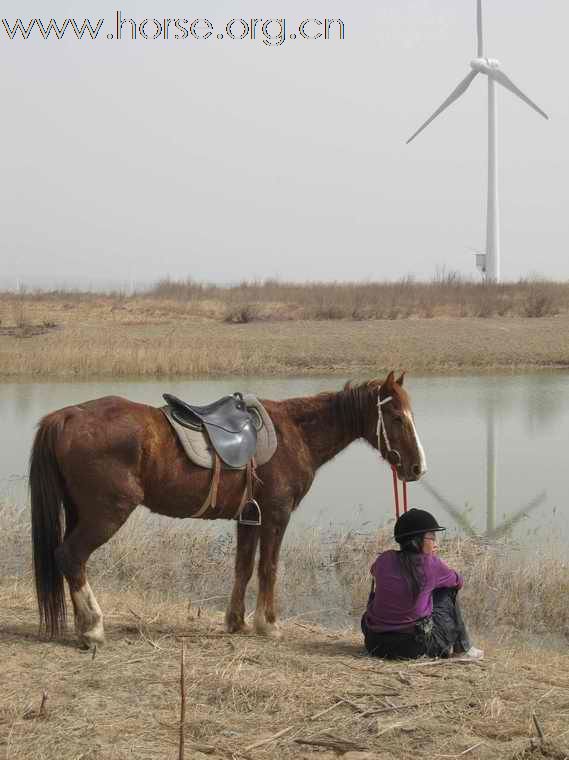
column 491, row 68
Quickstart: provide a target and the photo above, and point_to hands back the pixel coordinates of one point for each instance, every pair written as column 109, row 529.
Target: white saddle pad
column 197, row 446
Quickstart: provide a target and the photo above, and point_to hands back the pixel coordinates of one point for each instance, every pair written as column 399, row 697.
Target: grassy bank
column 81, row 335
column 311, row 694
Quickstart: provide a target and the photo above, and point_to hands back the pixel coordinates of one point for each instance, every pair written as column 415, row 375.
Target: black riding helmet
column 415, row 522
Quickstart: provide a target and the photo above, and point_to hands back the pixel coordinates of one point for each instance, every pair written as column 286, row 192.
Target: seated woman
column 413, row 607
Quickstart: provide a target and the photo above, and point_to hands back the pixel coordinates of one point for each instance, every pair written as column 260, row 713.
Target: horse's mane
column 353, row 403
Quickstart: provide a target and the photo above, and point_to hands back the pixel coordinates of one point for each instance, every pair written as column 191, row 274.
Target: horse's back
column 110, row 423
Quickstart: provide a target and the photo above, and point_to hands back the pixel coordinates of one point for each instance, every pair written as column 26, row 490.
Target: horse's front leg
column 247, row 540
column 272, row 533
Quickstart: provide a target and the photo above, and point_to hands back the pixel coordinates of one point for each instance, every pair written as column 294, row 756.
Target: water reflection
column 493, row 445
column 509, row 522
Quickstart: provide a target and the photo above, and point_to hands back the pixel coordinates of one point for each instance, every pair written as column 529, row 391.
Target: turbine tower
column 491, row 68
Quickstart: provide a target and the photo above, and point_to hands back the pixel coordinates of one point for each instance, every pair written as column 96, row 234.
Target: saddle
column 225, row 431
column 231, row 427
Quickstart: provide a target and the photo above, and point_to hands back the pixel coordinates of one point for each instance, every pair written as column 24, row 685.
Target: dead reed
column 323, row 574
column 142, row 337
column 448, row 295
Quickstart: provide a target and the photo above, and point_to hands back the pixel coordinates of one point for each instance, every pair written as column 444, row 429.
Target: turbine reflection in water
column 510, row 521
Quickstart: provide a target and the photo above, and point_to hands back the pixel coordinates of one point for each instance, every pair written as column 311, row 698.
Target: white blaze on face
column 422, row 458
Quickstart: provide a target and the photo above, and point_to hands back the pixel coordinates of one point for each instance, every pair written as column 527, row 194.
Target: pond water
column 495, row 445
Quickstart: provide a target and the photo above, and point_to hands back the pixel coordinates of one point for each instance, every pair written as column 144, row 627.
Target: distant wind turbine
column 491, row 68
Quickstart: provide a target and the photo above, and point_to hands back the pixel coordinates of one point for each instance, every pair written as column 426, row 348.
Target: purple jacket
column 393, row 607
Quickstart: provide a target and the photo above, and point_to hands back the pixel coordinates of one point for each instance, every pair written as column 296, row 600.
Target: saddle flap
column 235, row 449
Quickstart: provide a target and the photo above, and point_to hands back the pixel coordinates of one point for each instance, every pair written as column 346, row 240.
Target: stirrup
column 253, row 516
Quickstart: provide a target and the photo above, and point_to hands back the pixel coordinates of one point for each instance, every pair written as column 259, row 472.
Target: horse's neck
column 324, row 428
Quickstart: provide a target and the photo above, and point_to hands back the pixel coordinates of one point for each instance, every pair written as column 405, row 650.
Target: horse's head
column 394, row 433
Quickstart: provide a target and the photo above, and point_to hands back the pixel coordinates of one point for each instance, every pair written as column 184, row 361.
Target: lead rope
column 382, row 430
column 396, row 491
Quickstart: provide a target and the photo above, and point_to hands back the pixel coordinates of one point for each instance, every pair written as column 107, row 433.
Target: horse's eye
column 398, row 421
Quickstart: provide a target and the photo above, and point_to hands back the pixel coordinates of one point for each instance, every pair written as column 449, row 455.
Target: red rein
column 396, row 491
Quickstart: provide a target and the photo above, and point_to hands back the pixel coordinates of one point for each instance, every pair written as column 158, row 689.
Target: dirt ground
column 311, row 694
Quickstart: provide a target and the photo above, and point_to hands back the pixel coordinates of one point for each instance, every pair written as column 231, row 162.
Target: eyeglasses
column 430, row 538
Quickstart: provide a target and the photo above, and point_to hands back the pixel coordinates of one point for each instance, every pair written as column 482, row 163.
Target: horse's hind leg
column 247, row 540
column 88, row 615
column 271, row 539
column 81, row 540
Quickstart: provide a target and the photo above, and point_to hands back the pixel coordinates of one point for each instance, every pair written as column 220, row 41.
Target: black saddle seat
column 229, row 424
column 228, row 412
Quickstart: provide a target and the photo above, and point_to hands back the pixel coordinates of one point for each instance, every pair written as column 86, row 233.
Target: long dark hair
column 410, row 562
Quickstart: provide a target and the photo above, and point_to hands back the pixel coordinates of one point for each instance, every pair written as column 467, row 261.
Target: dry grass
column 314, row 685
column 154, row 583
column 323, row 573
column 447, row 295
column 99, row 336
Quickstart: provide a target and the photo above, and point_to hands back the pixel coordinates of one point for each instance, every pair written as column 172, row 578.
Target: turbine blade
column 513, row 520
column 505, row 81
column 480, row 48
column 458, row 516
column 455, row 94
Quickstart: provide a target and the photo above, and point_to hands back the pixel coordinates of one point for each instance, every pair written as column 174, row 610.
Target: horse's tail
column 48, row 500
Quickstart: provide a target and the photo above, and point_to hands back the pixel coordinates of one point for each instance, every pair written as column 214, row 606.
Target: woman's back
column 394, row 607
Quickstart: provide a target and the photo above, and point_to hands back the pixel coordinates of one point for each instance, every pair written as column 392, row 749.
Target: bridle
column 393, row 456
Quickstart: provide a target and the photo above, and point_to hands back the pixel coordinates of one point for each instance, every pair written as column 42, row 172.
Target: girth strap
column 251, row 478
column 211, row 499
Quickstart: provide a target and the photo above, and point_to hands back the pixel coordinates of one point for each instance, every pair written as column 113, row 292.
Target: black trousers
column 436, row 636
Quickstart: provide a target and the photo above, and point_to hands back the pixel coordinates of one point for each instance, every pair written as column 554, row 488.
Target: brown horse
column 92, row 464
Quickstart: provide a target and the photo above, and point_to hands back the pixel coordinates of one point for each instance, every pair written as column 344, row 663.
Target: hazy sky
column 222, row 160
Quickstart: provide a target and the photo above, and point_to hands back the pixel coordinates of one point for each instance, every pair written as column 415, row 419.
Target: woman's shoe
column 474, row 653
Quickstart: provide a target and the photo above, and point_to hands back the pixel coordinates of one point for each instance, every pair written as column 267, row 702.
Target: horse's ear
column 401, row 378
column 389, row 381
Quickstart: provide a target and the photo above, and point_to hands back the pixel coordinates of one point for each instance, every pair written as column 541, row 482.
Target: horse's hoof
column 237, row 628
column 233, row 623
column 89, row 644
column 271, row 630
column 94, row 637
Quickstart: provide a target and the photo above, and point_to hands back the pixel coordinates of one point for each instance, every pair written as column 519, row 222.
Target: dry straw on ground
column 309, row 695
column 313, row 694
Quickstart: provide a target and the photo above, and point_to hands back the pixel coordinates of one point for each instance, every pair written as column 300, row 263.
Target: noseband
column 393, row 456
